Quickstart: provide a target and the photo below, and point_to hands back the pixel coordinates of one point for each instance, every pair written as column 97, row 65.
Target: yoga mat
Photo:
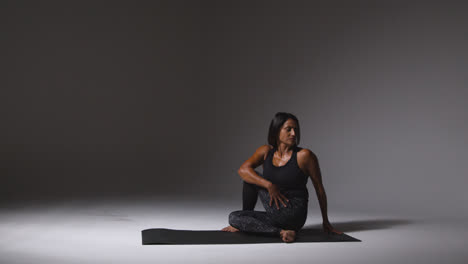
column 203, row 237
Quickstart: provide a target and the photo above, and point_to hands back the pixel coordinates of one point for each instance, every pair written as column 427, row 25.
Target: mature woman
column 282, row 187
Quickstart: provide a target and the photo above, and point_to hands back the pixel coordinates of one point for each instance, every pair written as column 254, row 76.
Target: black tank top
column 288, row 177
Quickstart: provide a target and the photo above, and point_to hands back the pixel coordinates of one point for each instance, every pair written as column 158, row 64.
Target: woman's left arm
column 313, row 169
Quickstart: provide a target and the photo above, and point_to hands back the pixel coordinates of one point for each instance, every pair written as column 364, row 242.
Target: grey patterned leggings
column 271, row 221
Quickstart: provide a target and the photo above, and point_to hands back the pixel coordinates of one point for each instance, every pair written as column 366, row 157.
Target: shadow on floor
column 362, row 225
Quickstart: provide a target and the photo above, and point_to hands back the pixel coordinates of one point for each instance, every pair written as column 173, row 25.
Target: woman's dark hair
column 275, row 127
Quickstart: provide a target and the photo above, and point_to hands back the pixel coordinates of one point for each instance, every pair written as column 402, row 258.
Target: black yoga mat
column 185, row 237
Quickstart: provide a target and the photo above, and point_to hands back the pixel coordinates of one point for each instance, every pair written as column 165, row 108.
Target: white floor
column 110, row 232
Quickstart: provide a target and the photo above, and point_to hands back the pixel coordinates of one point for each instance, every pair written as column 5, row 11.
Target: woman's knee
column 233, row 216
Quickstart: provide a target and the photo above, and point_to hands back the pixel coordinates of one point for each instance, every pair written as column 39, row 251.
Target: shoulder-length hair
column 275, row 127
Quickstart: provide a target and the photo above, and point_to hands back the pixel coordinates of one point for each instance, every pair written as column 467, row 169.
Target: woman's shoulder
column 265, row 149
column 268, row 148
column 306, row 157
column 306, row 153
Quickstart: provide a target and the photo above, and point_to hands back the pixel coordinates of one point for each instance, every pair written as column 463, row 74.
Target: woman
column 282, row 187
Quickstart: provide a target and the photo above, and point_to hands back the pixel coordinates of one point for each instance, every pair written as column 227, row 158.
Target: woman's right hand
column 276, row 196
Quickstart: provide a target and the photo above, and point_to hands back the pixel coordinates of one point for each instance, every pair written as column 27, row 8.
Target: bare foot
column 288, row 235
column 230, row 229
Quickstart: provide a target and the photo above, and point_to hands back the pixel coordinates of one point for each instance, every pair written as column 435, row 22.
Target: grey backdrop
column 168, row 98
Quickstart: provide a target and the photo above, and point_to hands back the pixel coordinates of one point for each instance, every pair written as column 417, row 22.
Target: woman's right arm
column 247, row 169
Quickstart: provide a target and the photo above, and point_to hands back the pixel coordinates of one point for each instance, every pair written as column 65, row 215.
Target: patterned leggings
column 271, row 221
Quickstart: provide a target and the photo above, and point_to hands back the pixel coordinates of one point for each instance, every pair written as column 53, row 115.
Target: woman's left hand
column 327, row 227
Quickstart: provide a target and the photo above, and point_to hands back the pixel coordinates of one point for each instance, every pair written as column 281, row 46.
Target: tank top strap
column 268, row 154
column 296, row 150
column 294, row 154
column 271, row 151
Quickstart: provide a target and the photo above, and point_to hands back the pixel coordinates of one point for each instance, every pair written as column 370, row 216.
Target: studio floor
column 109, row 231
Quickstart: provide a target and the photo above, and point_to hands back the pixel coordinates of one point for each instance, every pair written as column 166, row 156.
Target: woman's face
column 287, row 134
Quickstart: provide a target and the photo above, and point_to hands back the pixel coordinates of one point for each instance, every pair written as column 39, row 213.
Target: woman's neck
column 282, row 149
